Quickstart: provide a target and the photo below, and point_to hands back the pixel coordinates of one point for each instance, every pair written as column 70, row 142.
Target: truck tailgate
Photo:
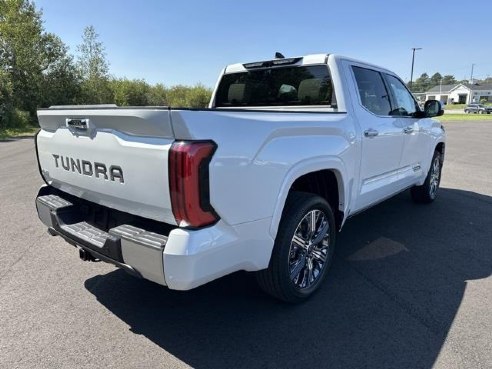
column 115, row 157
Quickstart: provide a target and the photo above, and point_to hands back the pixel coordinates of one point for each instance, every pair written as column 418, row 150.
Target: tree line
column 425, row 83
column 37, row 70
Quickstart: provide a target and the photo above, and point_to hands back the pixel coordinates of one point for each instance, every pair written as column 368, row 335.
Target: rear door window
column 372, row 91
column 277, row 86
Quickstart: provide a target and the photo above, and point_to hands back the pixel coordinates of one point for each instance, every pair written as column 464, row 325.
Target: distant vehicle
column 478, row 109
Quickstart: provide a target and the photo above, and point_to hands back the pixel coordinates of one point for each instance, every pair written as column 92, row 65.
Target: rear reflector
column 189, row 183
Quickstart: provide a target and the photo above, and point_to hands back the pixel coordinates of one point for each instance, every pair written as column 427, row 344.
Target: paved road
column 411, row 288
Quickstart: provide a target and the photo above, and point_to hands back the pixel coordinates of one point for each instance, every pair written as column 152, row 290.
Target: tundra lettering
column 86, row 168
column 261, row 181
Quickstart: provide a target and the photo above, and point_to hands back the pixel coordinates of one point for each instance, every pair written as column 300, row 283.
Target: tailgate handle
column 79, row 124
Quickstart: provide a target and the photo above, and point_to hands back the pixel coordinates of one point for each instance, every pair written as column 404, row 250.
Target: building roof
column 442, row 88
column 476, row 86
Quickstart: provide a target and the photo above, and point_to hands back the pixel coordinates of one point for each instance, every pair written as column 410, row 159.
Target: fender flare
column 436, row 142
column 304, row 167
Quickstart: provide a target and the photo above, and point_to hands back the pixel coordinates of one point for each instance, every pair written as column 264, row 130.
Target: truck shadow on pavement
column 394, row 290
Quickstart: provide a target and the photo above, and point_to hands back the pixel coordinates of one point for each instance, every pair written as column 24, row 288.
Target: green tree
column 194, row 97
column 449, row 80
column 6, row 103
column 436, row 79
column 158, row 95
column 94, row 69
column 61, row 80
column 198, row 96
column 422, row 83
column 130, row 92
column 30, row 58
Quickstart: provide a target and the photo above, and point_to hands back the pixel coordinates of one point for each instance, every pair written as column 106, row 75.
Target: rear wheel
column 428, row 191
column 303, row 249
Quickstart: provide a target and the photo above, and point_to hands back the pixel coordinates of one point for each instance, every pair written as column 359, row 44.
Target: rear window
column 280, row 86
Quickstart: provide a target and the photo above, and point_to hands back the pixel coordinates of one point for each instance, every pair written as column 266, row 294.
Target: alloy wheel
column 435, row 177
column 309, row 249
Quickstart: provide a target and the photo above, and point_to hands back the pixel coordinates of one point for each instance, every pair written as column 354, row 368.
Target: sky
column 189, row 42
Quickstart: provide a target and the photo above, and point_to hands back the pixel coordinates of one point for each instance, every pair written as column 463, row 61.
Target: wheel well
column 325, row 184
column 441, row 148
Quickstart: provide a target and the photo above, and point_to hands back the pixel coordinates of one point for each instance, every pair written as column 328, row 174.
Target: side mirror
column 433, row 108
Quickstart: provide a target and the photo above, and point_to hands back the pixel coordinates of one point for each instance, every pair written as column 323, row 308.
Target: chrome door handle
column 370, row 132
column 408, row 129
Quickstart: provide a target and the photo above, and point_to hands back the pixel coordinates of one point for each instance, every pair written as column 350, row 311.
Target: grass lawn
column 17, row 132
column 454, row 106
column 465, row 117
column 459, row 106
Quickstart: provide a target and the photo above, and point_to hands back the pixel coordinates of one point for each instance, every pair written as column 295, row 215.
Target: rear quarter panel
column 260, row 154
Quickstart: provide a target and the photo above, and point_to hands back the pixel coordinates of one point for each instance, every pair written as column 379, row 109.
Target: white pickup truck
column 262, row 180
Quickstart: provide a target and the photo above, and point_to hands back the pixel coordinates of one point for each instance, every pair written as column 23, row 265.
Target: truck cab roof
column 310, row 59
column 299, row 60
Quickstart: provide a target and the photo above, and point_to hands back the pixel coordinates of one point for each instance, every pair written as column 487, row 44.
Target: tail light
column 189, row 183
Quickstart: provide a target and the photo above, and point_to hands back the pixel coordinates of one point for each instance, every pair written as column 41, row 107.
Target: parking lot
column 411, row 287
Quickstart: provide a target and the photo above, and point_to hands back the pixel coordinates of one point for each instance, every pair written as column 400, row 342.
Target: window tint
column 372, row 91
column 403, row 101
column 277, row 86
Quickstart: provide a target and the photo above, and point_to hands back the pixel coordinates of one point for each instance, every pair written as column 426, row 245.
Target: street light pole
column 413, row 61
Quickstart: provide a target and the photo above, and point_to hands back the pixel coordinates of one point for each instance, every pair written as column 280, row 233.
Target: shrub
column 20, row 119
column 191, row 97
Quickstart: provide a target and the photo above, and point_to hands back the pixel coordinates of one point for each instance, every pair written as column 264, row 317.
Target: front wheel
column 303, row 249
column 428, row 191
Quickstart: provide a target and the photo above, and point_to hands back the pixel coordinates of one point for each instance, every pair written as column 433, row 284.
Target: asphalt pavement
column 411, row 287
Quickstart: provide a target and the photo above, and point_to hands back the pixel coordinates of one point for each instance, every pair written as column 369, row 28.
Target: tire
column 298, row 266
column 467, row 111
column 427, row 193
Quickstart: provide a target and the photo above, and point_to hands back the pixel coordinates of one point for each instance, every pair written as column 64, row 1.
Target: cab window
column 277, row 86
column 403, row 103
column 372, row 91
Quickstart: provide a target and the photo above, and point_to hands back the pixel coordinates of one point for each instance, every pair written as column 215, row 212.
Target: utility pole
column 413, row 61
column 471, row 75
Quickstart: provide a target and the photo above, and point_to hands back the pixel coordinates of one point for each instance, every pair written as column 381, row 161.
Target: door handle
column 370, row 132
column 408, row 129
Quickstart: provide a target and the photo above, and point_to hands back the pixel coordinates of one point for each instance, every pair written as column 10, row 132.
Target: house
column 419, row 96
column 461, row 93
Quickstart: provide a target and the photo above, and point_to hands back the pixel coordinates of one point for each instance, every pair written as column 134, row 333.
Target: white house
column 461, row 93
